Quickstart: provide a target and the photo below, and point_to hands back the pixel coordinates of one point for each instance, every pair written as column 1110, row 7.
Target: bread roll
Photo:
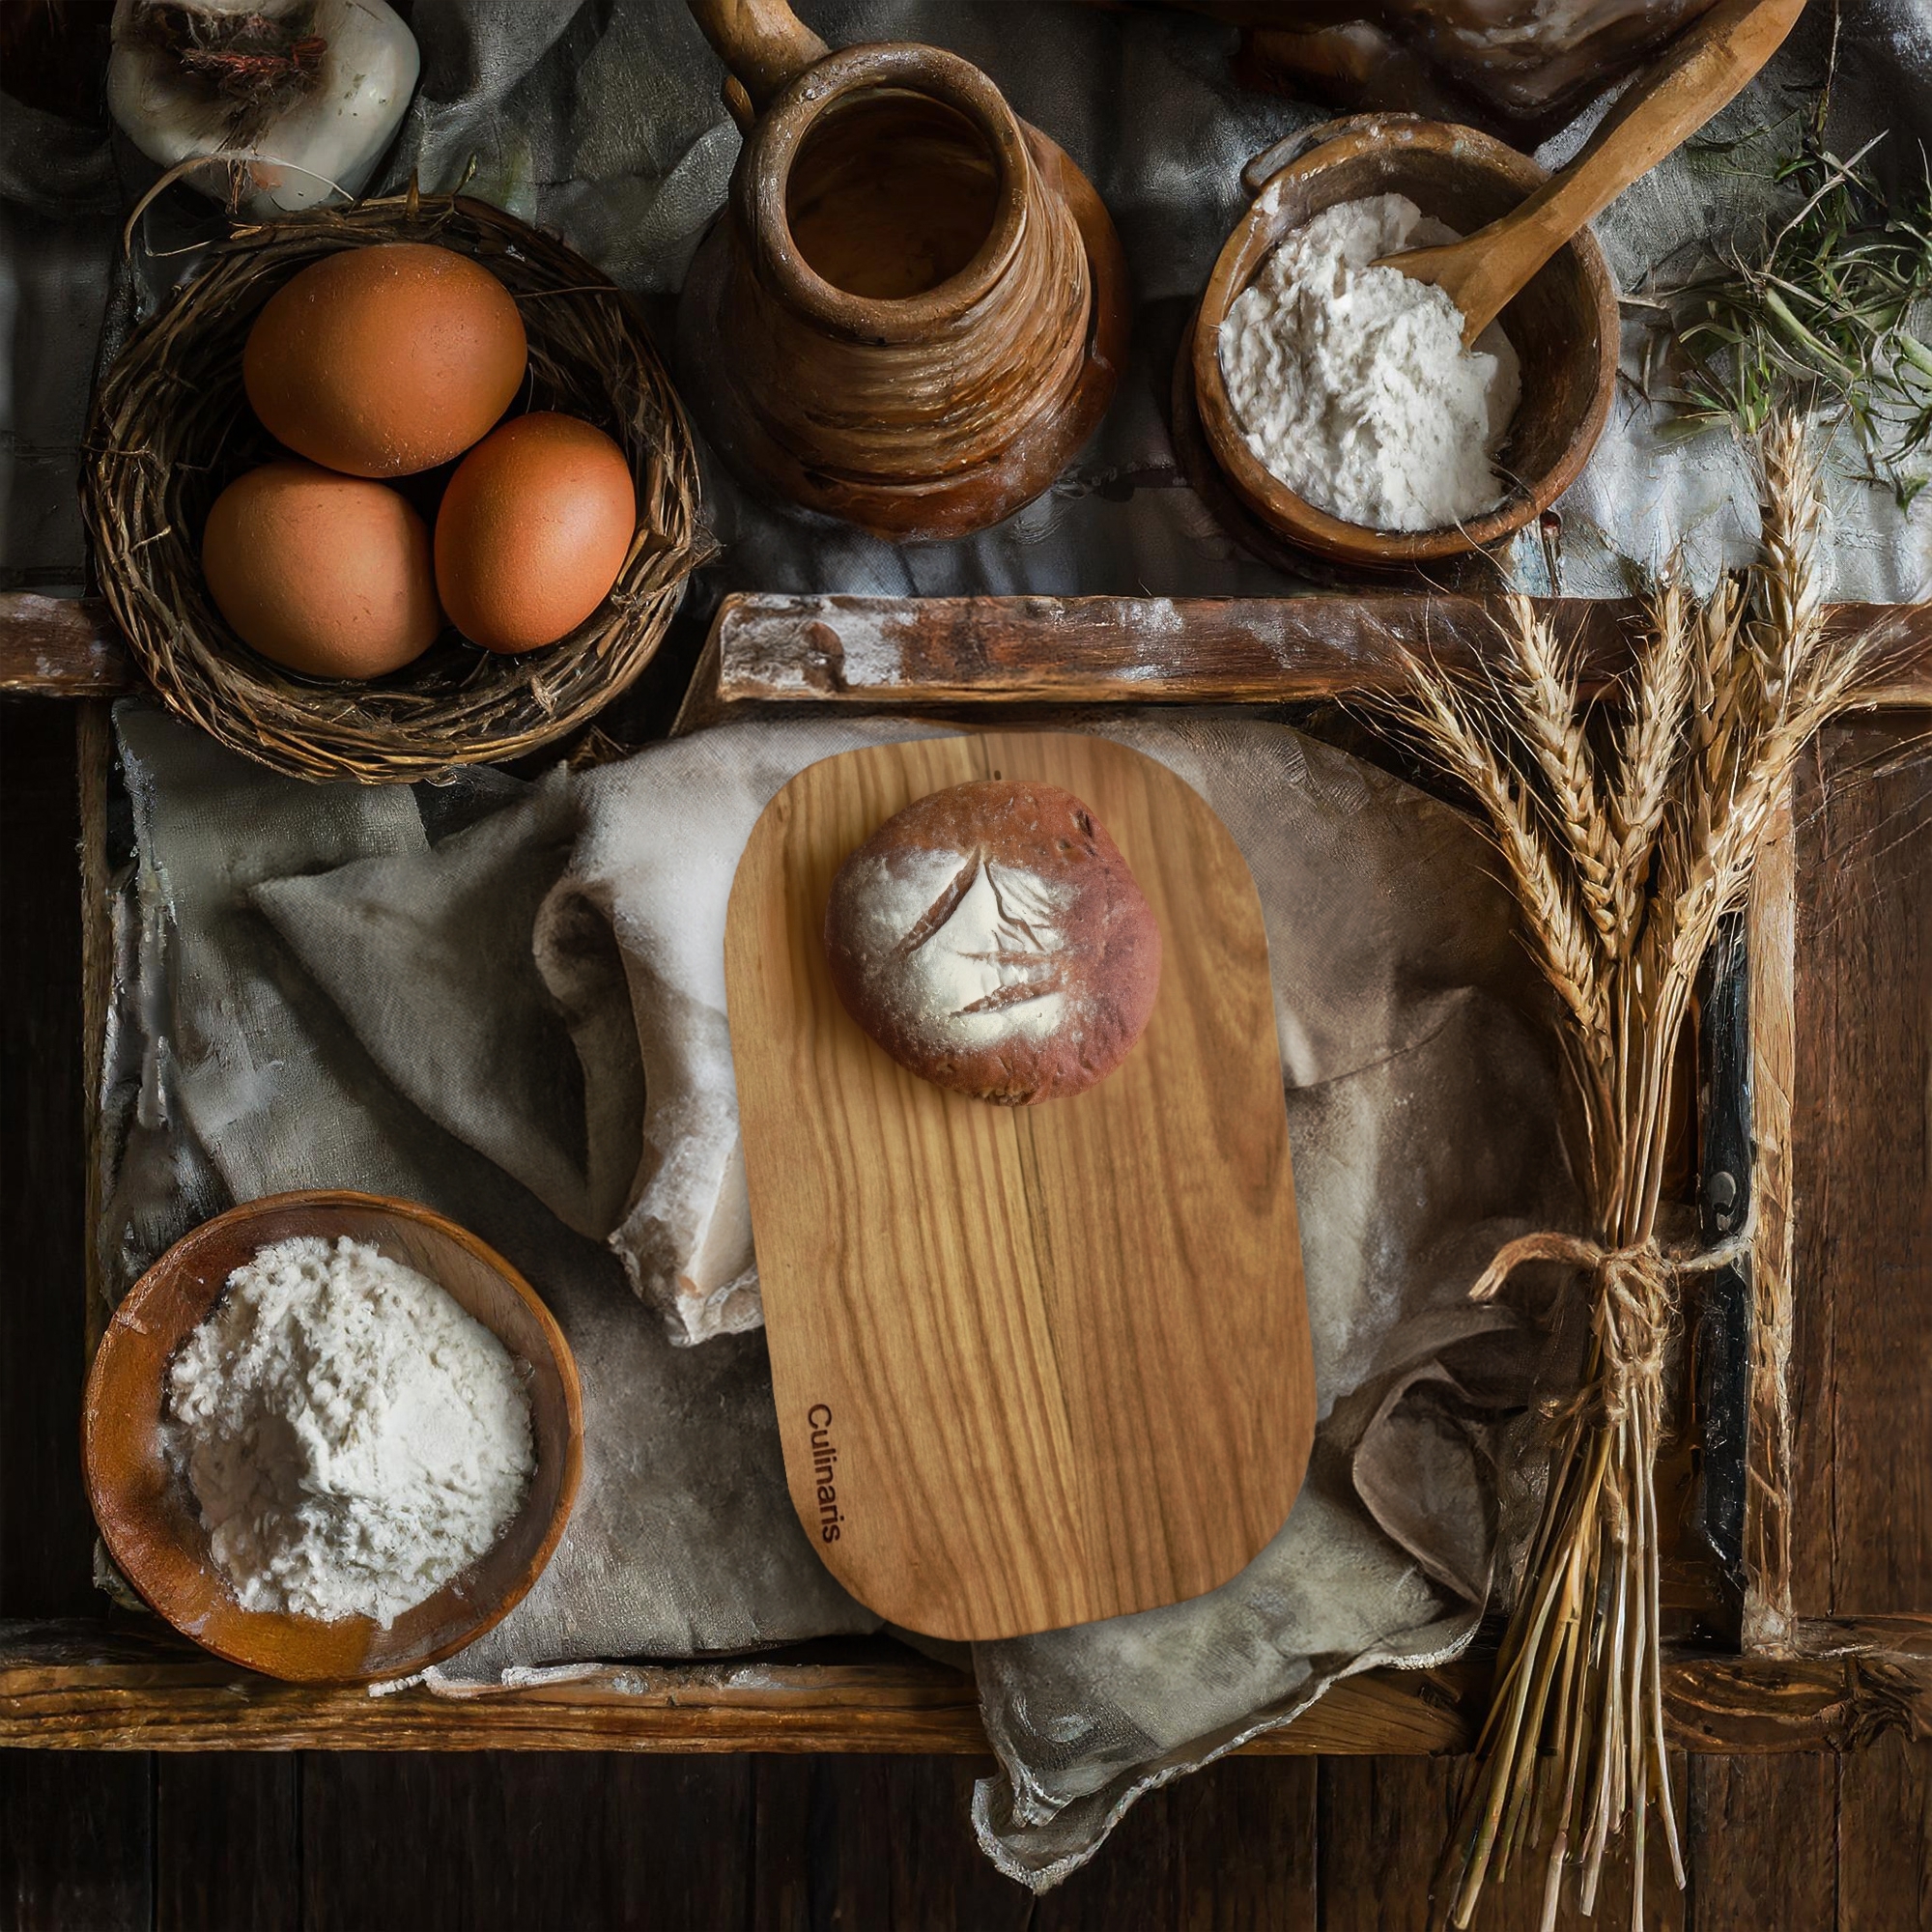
column 991, row 938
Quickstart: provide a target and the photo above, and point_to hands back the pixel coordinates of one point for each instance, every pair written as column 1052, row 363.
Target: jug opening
column 892, row 194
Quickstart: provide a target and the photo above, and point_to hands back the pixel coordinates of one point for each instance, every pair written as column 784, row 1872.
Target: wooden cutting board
column 1036, row 1365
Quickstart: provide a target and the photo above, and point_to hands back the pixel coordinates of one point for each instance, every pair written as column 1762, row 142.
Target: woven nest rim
column 170, row 425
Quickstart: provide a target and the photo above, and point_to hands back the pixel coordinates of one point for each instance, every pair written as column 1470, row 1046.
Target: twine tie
column 1633, row 1311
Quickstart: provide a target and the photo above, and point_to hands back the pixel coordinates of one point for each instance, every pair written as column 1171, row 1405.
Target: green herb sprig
column 1821, row 309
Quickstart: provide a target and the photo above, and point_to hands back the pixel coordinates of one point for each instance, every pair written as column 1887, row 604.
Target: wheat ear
column 1789, row 623
column 1649, row 749
column 1561, row 940
column 1542, row 683
column 1723, row 700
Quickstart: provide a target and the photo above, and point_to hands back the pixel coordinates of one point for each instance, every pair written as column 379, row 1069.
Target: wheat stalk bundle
column 1623, row 863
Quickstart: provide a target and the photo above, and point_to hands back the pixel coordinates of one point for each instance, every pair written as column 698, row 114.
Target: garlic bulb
column 316, row 86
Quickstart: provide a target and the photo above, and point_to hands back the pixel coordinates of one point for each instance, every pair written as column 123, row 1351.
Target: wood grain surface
column 59, row 1693
column 370, row 1842
column 940, row 653
column 1060, row 1352
column 61, row 647
column 1862, row 1536
column 769, row 649
column 1770, row 920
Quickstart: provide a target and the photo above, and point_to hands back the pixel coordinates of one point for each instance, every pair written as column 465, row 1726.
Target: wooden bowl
column 147, row 1513
column 1564, row 326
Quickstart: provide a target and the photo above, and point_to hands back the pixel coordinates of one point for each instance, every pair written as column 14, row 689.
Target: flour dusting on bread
column 991, row 938
column 978, row 940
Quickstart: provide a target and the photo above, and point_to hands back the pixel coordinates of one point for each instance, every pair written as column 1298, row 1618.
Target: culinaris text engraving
column 825, row 1471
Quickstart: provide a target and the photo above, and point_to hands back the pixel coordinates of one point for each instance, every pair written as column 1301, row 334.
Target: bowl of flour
column 1336, row 397
column 331, row 1437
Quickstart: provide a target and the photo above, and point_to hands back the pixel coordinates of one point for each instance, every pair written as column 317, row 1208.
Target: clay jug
column 913, row 310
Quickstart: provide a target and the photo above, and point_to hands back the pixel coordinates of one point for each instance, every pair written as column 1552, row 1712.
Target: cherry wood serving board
column 1036, row 1365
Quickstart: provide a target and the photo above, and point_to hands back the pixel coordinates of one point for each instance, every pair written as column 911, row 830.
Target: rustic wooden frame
column 1793, row 1684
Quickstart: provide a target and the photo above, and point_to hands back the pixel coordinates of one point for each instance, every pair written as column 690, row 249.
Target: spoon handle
column 1700, row 72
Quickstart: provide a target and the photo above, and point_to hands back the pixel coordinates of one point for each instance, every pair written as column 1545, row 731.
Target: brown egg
column 325, row 573
column 385, row 360
column 533, row 529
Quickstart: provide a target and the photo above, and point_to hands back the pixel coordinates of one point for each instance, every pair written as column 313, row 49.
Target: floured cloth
column 507, row 1000
column 241, row 1066
column 606, row 124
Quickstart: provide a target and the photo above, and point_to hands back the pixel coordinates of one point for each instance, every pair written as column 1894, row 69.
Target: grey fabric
column 608, row 126
column 604, row 122
column 548, row 987
column 240, row 1075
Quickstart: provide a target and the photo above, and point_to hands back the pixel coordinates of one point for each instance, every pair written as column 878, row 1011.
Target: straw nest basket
column 172, row 426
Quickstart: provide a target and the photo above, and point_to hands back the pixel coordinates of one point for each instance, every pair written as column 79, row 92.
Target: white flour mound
column 1352, row 383
column 352, row 1436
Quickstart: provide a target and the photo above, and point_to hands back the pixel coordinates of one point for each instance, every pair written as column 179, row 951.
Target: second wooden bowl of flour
column 1564, row 327
column 148, row 1512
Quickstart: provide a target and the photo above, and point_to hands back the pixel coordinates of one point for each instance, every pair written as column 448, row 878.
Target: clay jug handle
column 765, row 46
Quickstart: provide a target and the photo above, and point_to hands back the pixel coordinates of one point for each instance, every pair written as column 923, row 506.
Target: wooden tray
column 1748, row 1674
column 1035, row 1366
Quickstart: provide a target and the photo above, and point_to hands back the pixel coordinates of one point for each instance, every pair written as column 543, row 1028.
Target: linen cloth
column 507, row 1000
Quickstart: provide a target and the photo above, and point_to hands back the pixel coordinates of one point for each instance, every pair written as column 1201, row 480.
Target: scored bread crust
column 991, row 938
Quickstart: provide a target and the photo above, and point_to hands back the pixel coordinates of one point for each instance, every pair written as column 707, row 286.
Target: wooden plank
column 227, row 1843
column 1384, row 1821
column 61, row 1687
column 1754, row 1704
column 866, row 1841
column 61, row 647
column 62, row 1693
column 935, row 653
column 1906, row 1637
column 534, row 1842
column 75, row 1843
column 46, row 1534
column 1769, row 951
column 1758, row 1829
column 1823, row 976
column 94, row 753
column 1861, row 1372
column 1033, row 1366
column 1885, row 1838
column 192, row 1705
column 1249, row 1851
column 1083, row 650
column 1233, row 1846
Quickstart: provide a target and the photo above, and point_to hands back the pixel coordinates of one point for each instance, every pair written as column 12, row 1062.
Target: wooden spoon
column 1706, row 67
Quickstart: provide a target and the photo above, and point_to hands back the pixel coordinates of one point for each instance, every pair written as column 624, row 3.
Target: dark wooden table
column 477, row 1840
